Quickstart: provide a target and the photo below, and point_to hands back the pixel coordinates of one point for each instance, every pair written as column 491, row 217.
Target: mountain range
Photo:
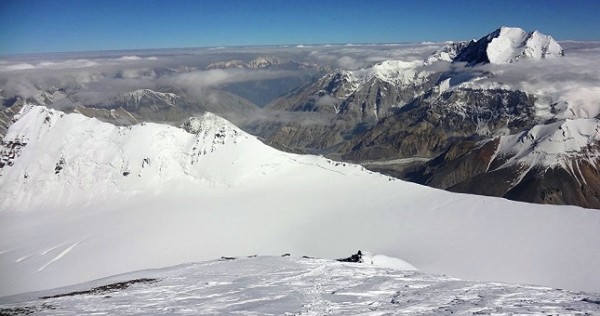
column 430, row 121
column 116, row 164
column 441, row 129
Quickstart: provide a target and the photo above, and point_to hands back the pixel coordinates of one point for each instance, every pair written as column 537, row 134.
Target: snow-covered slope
column 555, row 144
column 296, row 286
column 396, row 73
column 82, row 199
column 509, row 44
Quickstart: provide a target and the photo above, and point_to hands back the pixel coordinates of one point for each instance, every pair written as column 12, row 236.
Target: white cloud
column 574, row 78
column 135, row 58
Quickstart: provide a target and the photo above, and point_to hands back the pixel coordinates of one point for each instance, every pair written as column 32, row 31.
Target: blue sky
column 36, row 26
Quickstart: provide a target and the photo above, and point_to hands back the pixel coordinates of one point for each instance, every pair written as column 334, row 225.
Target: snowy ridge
column 141, row 97
column 109, row 159
column 80, row 154
column 257, row 63
column 555, row 144
column 447, row 53
column 263, row 62
column 297, row 286
column 81, row 193
column 395, row 72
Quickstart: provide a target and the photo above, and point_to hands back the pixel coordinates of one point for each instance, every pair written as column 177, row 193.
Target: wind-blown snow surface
column 294, row 286
column 85, row 199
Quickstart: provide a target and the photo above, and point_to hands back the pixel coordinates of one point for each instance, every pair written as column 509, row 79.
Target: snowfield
column 81, row 200
column 296, row 286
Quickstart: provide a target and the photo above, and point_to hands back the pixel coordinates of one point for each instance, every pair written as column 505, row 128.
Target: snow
column 508, row 44
column 553, row 144
column 214, row 190
column 297, row 286
column 446, row 53
column 503, row 48
column 141, row 95
column 384, row 261
column 397, row 72
column 444, row 86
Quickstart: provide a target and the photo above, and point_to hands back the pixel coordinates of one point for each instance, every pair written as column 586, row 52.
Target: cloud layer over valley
column 96, row 78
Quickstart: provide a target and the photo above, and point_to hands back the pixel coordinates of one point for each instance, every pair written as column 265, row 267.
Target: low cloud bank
column 96, row 77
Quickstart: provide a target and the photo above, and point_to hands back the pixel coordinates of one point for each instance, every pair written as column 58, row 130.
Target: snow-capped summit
column 263, row 62
column 396, row 72
column 509, row 44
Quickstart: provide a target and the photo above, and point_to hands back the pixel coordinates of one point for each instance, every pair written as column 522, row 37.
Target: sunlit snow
column 84, row 200
column 296, row 286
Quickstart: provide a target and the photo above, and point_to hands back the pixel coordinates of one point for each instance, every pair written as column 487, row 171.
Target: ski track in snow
column 294, row 286
column 60, row 255
column 51, row 249
column 23, row 258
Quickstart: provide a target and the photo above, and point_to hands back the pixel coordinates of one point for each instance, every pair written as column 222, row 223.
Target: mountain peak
column 146, row 97
column 509, row 44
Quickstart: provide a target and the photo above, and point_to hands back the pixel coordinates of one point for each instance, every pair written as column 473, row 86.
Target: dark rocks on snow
column 113, row 287
column 353, row 258
column 59, row 165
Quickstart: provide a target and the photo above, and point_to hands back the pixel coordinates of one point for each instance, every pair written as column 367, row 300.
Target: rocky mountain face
column 448, row 52
column 426, row 127
column 346, row 103
column 433, row 127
